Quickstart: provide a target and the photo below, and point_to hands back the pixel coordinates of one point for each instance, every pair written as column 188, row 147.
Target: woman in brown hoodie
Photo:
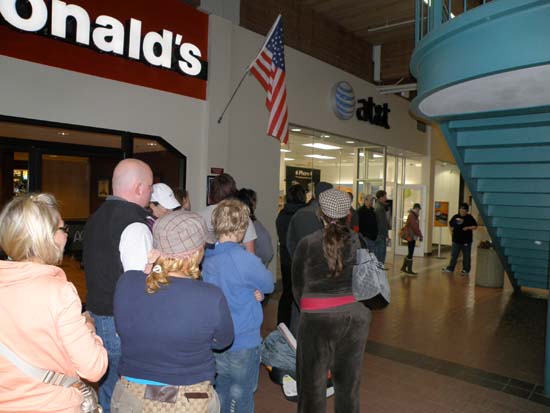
column 411, row 232
column 40, row 312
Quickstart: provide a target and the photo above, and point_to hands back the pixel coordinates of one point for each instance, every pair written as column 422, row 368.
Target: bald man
column 116, row 240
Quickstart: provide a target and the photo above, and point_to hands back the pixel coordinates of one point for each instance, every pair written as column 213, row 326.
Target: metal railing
column 430, row 14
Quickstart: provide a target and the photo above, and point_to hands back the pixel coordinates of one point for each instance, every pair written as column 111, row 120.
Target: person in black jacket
column 462, row 225
column 295, row 199
column 367, row 221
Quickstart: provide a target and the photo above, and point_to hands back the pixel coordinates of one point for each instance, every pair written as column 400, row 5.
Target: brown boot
column 409, row 269
column 404, row 266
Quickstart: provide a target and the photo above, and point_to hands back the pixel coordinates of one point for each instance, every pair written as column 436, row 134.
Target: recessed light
column 325, row 136
column 63, row 133
column 285, row 150
column 352, row 153
column 323, row 146
column 151, row 144
column 418, row 165
column 289, row 159
column 295, row 129
column 317, row 156
column 377, row 155
column 350, row 141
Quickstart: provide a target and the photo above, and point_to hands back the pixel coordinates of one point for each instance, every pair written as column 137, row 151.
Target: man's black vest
column 101, row 256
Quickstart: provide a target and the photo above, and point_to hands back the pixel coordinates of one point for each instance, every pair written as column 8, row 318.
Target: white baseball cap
column 164, row 195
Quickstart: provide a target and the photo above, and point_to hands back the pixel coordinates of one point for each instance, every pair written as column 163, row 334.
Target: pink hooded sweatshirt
column 40, row 321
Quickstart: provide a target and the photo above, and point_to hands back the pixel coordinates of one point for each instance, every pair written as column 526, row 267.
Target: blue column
column 547, row 351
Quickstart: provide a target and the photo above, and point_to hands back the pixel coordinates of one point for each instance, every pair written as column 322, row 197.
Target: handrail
column 430, row 14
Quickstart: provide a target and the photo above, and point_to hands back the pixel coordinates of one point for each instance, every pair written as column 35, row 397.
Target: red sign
column 217, row 171
column 162, row 44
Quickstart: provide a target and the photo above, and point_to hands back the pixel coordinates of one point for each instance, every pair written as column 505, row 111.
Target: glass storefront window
column 167, row 165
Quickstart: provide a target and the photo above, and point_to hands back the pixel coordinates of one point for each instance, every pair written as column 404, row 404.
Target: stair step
column 524, row 244
column 501, row 137
column 520, row 170
column 514, row 185
column 538, row 119
column 525, row 253
column 526, row 154
column 529, row 262
column 523, row 234
column 529, row 270
column 512, row 199
column 515, row 212
column 520, row 223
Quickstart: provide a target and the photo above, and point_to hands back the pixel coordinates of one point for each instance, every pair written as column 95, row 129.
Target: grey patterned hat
column 334, row 203
column 179, row 234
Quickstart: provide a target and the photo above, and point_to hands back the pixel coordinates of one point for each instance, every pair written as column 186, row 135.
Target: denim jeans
column 105, row 328
column 466, row 256
column 237, row 379
column 380, row 249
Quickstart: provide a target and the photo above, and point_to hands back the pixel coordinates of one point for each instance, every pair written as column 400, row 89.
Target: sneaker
column 290, row 389
column 464, row 272
column 446, row 269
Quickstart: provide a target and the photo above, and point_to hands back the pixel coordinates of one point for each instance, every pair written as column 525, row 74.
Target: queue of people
column 174, row 297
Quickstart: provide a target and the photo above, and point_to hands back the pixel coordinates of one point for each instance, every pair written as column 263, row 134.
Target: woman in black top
column 333, row 327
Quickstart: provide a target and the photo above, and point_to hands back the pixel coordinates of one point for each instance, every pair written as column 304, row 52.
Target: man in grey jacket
column 382, row 223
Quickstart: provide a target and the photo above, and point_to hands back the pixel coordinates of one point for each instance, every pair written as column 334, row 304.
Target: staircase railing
column 430, row 14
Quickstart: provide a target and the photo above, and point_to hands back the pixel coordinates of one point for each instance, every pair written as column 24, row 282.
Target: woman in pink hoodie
column 40, row 312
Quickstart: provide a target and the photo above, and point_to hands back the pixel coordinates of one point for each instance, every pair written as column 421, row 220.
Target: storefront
column 168, row 80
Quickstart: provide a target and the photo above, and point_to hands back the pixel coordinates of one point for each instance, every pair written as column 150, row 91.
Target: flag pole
column 248, row 68
column 233, row 95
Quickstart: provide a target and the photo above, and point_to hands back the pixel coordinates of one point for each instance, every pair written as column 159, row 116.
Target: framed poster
column 209, row 180
column 441, row 213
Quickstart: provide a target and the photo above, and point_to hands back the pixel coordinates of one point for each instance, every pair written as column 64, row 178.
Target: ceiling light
column 295, row 129
column 350, row 141
column 323, row 146
column 63, row 133
column 352, row 153
column 418, row 165
column 151, row 144
column 285, row 150
column 289, row 159
column 377, row 155
column 317, row 156
column 325, row 136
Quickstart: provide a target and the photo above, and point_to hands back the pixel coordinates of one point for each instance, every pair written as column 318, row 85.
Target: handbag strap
column 44, row 376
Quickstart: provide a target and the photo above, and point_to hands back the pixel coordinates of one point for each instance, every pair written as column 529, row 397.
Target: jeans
column 237, row 379
column 105, row 328
column 380, row 249
column 466, row 256
column 410, row 245
column 332, row 341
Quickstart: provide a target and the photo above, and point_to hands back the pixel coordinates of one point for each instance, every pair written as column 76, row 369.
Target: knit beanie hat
column 334, row 203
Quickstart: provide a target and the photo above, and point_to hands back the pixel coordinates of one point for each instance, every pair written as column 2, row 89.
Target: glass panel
column 68, row 179
column 413, row 171
column 166, row 165
column 14, row 174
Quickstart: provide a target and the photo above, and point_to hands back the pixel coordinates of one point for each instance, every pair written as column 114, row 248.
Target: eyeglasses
column 64, row 228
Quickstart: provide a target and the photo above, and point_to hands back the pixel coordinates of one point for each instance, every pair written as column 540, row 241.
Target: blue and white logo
column 342, row 100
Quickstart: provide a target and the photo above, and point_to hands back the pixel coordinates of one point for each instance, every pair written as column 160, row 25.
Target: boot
column 404, row 266
column 409, row 269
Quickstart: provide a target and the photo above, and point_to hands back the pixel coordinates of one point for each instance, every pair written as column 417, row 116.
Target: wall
column 42, row 92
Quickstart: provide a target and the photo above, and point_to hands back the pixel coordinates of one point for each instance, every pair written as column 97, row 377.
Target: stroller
column 279, row 358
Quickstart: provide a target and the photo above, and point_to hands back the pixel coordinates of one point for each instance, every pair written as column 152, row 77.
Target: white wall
column 446, row 187
column 35, row 91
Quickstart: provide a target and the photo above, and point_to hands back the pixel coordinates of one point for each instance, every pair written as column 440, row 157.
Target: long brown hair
column 336, row 235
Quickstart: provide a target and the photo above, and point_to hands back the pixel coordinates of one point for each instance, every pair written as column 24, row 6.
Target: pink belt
column 310, row 303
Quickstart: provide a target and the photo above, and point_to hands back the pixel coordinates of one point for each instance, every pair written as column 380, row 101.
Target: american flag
column 269, row 69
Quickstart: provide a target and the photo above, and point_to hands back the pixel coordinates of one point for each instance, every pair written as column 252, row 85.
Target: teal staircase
column 484, row 78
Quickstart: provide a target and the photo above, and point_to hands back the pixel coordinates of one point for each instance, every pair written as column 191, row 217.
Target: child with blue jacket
column 240, row 275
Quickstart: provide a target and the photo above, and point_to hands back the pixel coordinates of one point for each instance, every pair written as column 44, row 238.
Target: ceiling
column 389, row 23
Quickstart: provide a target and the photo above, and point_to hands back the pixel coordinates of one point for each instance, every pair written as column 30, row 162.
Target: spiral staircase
column 484, row 78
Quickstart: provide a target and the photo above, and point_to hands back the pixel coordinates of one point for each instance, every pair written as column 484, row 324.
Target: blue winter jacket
column 239, row 273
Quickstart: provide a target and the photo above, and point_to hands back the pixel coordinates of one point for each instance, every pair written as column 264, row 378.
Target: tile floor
column 443, row 345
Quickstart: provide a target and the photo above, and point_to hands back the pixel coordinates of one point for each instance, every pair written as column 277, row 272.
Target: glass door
column 407, row 196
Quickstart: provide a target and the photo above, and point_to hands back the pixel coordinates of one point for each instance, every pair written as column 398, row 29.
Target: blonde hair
column 27, row 228
column 164, row 265
column 231, row 216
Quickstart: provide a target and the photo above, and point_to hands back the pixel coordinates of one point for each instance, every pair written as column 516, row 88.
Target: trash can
column 489, row 270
